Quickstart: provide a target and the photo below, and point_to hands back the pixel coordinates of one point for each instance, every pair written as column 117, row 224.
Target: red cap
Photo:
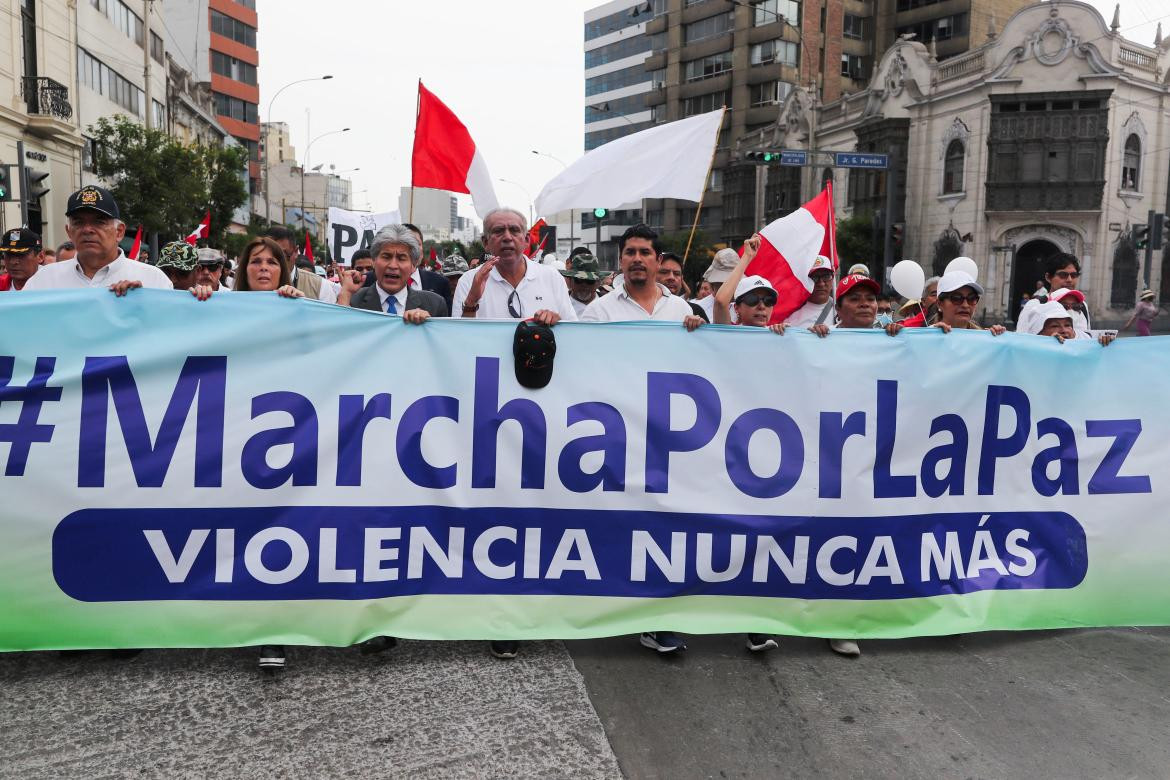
column 847, row 283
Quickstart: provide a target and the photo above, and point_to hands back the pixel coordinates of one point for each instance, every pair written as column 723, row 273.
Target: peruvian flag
column 445, row 157
column 789, row 247
column 203, row 231
column 137, row 244
column 535, row 244
column 308, row 248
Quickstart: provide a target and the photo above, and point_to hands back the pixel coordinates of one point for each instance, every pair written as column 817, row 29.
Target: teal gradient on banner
column 726, row 480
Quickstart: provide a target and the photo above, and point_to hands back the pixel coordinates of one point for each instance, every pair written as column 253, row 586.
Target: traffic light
column 34, row 187
column 1157, row 228
column 766, row 157
column 6, row 182
column 600, row 213
column 1141, row 236
column 897, row 229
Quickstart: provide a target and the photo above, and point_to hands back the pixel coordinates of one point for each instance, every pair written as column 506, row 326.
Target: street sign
column 796, row 158
column 860, row 160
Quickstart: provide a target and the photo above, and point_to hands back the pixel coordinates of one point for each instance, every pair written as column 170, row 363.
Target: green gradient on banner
column 1082, row 478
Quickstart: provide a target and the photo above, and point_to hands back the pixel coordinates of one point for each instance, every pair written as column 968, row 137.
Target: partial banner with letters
column 350, row 231
column 253, row 470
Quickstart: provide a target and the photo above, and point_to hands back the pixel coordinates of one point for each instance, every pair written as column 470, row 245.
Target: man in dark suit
column 422, row 278
column 397, row 253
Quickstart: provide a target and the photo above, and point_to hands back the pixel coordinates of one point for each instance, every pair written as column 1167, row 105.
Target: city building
column 305, row 200
column 435, row 212
column 1052, row 136
column 39, row 126
column 216, row 41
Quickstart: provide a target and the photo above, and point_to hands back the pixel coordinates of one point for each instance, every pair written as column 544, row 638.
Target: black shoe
column 506, row 649
column 272, row 657
column 759, row 643
column 377, row 644
column 663, row 641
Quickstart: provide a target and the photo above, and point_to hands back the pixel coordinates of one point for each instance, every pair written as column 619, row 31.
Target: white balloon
column 908, row 278
column 964, row 264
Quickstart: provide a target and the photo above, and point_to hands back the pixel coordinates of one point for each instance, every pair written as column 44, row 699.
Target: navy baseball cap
column 20, row 240
column 93, row 198
column 534, row 348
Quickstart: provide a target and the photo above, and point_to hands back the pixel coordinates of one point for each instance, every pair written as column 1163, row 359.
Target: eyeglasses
column 515, row 307
column 754, row 299
column 1068, row 274
column 958, row 298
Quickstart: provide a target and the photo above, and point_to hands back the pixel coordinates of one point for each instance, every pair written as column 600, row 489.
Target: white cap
column 749, row 283
column 956, row 280
column 1045, row 312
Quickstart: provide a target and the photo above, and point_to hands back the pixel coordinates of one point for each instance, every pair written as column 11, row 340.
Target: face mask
column 883, row 320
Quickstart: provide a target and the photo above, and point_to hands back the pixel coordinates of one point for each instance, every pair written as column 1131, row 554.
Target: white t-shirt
column 580, row 307
column 69, row 275
column 708, row 305
column 806, row 316
column 542, row 287
column 618, row 306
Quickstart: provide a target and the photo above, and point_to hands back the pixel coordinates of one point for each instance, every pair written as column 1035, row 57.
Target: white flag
column 668, row 161
column 350, row 231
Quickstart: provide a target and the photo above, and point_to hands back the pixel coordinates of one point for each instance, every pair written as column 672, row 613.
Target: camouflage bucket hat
column 178, row 255
column 454, row 265
column 585, row 267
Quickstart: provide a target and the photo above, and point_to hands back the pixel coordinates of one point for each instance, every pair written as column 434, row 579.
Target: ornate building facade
column 1054, row 135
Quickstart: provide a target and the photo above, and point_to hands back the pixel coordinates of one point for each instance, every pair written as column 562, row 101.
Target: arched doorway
column 1027, row 269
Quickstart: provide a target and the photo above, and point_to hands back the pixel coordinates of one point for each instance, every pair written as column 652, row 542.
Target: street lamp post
column 306, row 161
column 268, row 123
column 572, row 212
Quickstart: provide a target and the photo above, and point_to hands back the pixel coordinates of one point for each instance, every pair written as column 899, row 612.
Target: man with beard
column 670, row 276
column 584, row 278
column 209, row 269
column 641, row 296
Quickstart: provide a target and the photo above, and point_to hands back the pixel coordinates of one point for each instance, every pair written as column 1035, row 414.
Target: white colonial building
column 1054, row 136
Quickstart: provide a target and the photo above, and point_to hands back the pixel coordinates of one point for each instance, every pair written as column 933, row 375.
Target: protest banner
column 370, row 477
column 350, row 231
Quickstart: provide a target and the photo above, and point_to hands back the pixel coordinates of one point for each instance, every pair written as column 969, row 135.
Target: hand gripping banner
column 255, row 470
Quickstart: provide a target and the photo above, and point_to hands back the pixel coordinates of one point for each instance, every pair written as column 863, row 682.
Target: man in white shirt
column 95, row 226
column 509, row 285
column 819, row 308
column 640, row 297
column 584, row 279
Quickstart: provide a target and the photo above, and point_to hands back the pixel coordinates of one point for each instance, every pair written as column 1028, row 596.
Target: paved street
column 1073, row 704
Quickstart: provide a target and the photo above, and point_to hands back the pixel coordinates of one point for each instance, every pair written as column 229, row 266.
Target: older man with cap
column 584, row 279
column 22, row 252
column 94, row 225
column 819, row 308
column 209, row 269
column 452, row 267
column 179, row 260
column 716, row 274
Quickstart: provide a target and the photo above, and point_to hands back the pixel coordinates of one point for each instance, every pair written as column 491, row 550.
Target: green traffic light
column 768, row 156
column 600, row 213
column 3, row 193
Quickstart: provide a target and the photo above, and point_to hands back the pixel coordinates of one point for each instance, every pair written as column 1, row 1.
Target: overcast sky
column 512, row 70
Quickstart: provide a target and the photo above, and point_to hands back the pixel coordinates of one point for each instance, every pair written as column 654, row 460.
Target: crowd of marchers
column 505, row 283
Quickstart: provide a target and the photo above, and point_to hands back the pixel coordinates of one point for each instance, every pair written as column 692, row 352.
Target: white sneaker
column 845, row 647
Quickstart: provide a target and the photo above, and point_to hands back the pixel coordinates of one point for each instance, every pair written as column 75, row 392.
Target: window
column 618, row 21
column 851, row 66
column 936, row 29
column 94, row 74
column 607, row 82
column 611, row 109
column 953, row 167
column 702, row 104
column 156, row 49
column 618, row 50
column 160, row 114
column 123, row 18
column 235, row 108
column 769, row 11
column 1131, row 164
column 248, row 4
column 770, row 93
column 707, row 67
column 232, row 68
column 707, row 28
column 853, row 27
column 715, row 183
column 784, row 52
column 222, row 24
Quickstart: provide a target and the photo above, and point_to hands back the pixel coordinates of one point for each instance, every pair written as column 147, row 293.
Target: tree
column 165, row 186
column 697, row 260
column 855, row 241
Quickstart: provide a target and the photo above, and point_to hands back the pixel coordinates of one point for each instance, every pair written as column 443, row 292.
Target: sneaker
column 845, row 647
column 272, row 657
column 663, row 641
column 377, row 644
column 758, row 643
column 506, row 649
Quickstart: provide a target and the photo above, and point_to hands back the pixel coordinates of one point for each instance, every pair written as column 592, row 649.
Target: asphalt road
column 1072, row 704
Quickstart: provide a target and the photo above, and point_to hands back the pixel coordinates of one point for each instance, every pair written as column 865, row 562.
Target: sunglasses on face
column 1068, row 274
column 958, row 298
column 755, row 299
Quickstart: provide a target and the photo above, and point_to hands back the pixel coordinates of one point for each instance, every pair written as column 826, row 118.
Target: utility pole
column 146, row 67
column 890, row 215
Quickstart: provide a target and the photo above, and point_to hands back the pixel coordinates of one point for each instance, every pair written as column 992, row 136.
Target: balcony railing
column 47, row 97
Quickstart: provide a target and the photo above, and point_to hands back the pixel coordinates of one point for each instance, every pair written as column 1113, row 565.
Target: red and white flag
column 445, row 157
column 789, row 247
column 203, row 231
column 134, row 250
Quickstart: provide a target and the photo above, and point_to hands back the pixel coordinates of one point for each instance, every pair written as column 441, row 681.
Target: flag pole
column 417, row 110
column 706, row 181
